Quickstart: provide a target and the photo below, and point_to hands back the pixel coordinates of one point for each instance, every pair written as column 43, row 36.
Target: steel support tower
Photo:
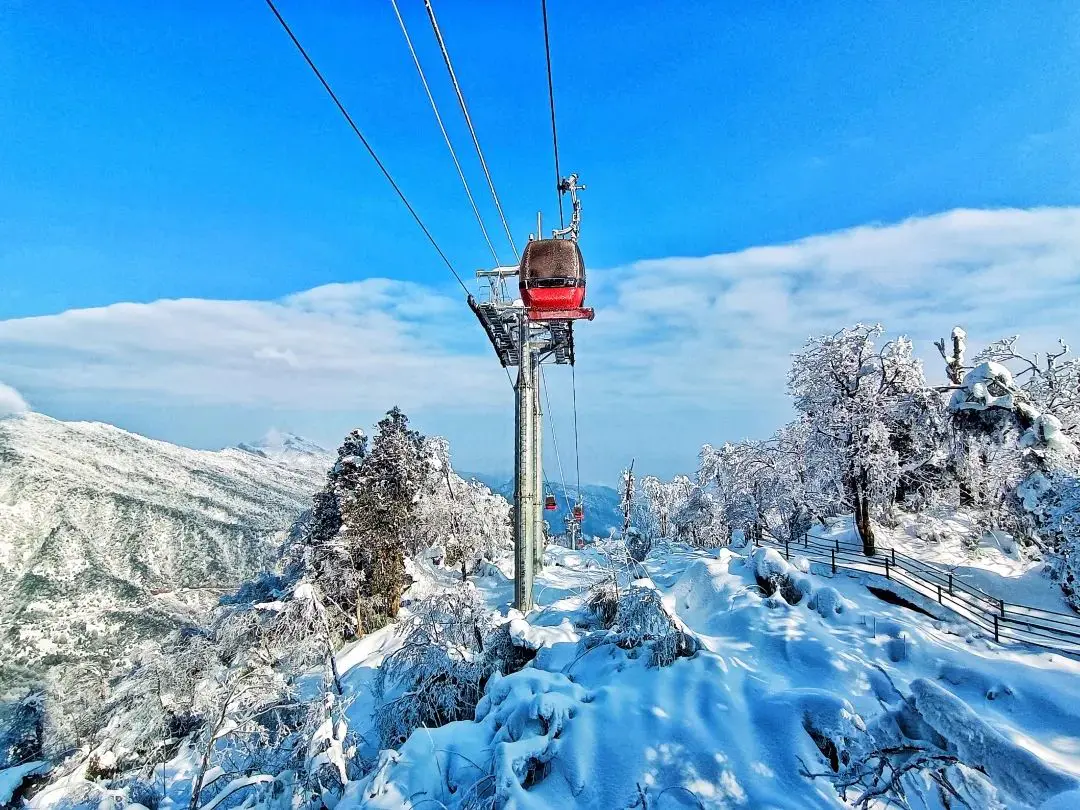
column 525, row 342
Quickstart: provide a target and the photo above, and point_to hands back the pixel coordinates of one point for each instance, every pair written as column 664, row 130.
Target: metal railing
column 1005, row 621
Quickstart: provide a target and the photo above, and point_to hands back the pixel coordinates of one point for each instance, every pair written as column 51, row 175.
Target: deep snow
column 726, row 727
column 601, row 727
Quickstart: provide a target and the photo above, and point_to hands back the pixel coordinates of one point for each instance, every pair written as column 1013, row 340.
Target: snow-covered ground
column 595, row 725
column 726, row 727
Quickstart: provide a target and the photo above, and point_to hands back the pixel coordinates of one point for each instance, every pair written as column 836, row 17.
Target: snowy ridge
column 107, row 537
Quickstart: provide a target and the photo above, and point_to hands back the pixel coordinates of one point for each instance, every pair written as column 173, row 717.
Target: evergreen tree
column 377, row 517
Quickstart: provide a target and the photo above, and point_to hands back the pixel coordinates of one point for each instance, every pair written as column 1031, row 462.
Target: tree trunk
column 862, row 522
column 359, row 614
column 204, row 762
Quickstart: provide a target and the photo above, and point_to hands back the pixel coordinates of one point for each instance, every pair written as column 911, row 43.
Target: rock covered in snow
column 828, row 603
column 1046, row 431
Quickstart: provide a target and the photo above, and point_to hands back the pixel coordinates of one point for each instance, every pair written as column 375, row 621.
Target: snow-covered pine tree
column 377, row 517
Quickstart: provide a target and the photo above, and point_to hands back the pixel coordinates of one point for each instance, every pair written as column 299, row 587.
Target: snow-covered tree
column 852, row 395
column 378, row 514
column 465, row 519
column 663, row 499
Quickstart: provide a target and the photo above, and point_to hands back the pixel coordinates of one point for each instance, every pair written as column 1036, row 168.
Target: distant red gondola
column 549, row 503
column 579, row 512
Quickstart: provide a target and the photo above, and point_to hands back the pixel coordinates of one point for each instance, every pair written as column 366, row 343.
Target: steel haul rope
column 554, row 131
column 468, row 121
column 446, row 136
column 554, row 439
column 364, row 141
column 577, row 452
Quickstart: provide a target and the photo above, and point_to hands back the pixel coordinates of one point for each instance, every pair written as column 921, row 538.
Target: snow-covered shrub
column 928, row 749
column 775, row 574
column 642, row 621
column 638, row 545
column 603, row 602
column 438, row 674
column 832, row 724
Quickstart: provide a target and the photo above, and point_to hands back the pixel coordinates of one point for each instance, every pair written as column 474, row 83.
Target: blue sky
column 182, row 150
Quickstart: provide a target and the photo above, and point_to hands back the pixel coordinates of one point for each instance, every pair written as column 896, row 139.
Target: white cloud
column 683, row 350
column 372, row 343
column 11, row 401
column 722, row 326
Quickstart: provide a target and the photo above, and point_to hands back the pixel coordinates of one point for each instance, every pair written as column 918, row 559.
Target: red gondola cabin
column 552, row 276
column 579, row 512
column 549, row 503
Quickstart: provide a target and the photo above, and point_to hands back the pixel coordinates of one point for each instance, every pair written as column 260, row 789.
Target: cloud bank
column 683, row 350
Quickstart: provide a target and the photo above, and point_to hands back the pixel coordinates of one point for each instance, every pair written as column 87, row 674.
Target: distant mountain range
column 600, row 502
column 108, row 538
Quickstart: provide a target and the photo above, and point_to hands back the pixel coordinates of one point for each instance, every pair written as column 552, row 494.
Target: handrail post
column 996, row 638
column 787, row 549
column 893, row 550
column 887, row 575
column 833, row 553
column 950, row 582
column 1002, row 604
column 939, row 594
column 837, row 543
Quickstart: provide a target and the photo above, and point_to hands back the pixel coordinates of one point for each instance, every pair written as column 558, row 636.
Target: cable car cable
column 446, row 136
column 577, row 452
column 554, row 131
column 468, row 121
column 364, row 141
column 554, row 438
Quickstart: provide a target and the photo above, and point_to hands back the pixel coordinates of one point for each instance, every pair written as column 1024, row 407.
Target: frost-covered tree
column 852, row 395
column 234, row 700
column 663, row 499
column 465, row 519
column 377, row 517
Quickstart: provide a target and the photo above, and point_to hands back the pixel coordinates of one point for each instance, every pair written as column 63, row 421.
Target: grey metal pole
column 525, row 505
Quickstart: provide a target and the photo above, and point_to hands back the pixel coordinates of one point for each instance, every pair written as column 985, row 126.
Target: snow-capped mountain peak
column 290, row 450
